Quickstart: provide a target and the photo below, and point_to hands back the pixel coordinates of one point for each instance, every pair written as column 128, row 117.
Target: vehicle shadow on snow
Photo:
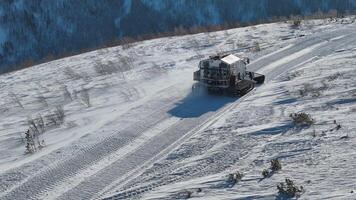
column 194, row 106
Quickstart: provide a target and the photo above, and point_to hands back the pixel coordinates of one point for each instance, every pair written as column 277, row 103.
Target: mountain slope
column 132, row 126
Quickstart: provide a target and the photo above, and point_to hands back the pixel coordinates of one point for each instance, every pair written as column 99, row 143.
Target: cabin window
column 223, row 65
column 206, row 64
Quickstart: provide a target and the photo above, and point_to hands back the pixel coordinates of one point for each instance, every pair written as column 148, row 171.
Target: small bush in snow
column 265, row 173
column 256, row 47
column 292, row 75
column 296, row 22
column 186, row 194
column 302, row 119
column 104, row 69
column 233, row 178
column 84, row 96
column 126, row 63
column 289, row 190
column 312, row 90
column 338, row 126
column 59, row 113
column 30, row 142
column 42, row 100
column 36, row 127
column 56, row 117
column 15, row 99
column 66, row 94
column 275, row 165
column 334, row 76
column 71, row 74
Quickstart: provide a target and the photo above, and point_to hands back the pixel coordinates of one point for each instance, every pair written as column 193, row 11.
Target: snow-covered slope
column 321, row 158
column 31, row 30
column 142, row 131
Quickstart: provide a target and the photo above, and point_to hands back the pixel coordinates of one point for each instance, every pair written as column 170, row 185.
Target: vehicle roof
column 230, row 59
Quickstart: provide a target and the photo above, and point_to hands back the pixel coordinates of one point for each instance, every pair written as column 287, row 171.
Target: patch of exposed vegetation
column 312, row 90
column 275, row 166
column 234, row 178
column 302, row 119
column 289, row 189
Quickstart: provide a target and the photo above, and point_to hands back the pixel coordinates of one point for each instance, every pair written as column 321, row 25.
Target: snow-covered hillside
column 321, row 158
column 31, row 30
column 131, row 128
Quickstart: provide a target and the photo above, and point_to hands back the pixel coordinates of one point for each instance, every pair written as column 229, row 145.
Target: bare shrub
column 289, row 189
column 292, row 76
column 256, row 47
column 130, row 93
column 99, row 68
column 275, row 166
column 66, row 94
column 85, row 97
column 265, row 173
column 52, row 120
column 186, row 194
column 234, row 178
column 36, row 127
column 15, row 99
column 296, row 22
column 30, row 142
column 334, row 76
column 59, row 113
column 127, row 42
column 41, row 124
column 126, row 63
column 71, row 124
column 71, row 74
column 336, row 128
column 105, row 69
column 56, row 117
column 42, row 100
column 312, row 90
column 302, row 119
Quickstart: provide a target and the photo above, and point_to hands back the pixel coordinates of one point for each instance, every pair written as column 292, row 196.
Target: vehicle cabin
column 221, row 71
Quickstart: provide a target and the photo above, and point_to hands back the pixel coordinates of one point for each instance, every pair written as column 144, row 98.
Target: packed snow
column 321, row 158
column 132, row 129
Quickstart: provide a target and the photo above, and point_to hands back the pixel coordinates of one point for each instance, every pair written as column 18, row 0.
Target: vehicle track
column 298, row 46
column 154, row 147
column 47, row 179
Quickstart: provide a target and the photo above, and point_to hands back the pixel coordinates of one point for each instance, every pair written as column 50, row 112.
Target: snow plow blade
column 259, row 78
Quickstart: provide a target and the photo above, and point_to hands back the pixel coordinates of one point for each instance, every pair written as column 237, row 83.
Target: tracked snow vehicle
column 225, row 74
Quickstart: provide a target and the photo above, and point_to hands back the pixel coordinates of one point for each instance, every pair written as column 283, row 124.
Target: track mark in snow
column 273, row 53
column 110, row 159
column 312, row 59
column 338, row 38
column 289, row 58
column 203, row 123
column 45, row 180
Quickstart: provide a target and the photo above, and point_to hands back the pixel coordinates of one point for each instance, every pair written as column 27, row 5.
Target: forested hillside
column 32, row 30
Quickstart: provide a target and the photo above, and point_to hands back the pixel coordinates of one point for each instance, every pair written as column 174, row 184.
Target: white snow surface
column 144, row 136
